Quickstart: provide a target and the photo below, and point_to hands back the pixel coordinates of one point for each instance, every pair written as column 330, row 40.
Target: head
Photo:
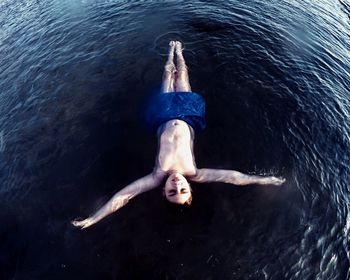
column 177, row 190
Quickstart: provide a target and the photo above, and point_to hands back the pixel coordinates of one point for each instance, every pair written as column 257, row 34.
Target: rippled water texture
column 73, row 78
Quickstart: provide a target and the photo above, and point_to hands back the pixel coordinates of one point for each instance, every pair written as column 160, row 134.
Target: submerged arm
column 234, row 177
column 120, row 199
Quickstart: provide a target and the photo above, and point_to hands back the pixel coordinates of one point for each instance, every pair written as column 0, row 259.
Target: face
column 177, row 189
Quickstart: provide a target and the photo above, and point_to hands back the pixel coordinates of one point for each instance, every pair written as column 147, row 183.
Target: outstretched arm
column 234, row 177
column 121, row 198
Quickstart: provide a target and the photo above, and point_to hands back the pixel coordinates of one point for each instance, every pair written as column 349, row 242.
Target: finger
column 78, row 223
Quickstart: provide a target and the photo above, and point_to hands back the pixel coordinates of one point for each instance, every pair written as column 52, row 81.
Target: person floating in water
column 175, row 114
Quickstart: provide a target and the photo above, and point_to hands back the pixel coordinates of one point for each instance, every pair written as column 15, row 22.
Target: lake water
column 74, row 76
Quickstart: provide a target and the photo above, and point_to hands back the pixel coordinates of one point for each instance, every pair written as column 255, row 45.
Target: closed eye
column 172, row 193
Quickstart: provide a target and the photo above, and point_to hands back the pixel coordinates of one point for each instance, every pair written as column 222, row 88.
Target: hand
column 276, row 181
column 82, row 224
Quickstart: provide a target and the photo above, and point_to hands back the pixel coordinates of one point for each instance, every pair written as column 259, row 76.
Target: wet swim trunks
column 186, row 106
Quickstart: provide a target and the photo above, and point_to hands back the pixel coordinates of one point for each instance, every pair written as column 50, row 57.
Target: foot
column 170, row 66
column 171, row 48
column 178, row 47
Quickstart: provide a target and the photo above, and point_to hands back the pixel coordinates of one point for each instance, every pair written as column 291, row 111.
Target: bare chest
column 175, row 152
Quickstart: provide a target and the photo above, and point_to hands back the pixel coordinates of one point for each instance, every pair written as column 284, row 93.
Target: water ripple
column 276, row 77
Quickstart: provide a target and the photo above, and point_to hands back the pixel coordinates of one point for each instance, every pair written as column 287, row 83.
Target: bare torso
column 175, row 148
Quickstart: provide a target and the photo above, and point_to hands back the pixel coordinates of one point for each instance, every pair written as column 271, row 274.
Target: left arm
column 234, row 177
column 120, row 199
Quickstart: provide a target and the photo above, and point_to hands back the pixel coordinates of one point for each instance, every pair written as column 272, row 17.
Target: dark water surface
column 73, row 78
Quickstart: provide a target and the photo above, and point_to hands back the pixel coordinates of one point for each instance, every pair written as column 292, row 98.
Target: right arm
column 120, row 199
column 234, row 177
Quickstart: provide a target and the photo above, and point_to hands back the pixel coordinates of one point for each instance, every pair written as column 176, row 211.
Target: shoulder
column 206, row 175
column 195, row 177
column 159, row 174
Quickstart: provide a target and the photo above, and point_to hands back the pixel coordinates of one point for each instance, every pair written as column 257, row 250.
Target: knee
column 182, row 69
column 181, row 75
column 170, row 68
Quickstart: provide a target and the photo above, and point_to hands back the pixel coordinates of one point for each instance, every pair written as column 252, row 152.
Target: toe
column 179, row 46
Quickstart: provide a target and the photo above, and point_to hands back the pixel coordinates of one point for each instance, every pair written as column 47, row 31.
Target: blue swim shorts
column 186, row 106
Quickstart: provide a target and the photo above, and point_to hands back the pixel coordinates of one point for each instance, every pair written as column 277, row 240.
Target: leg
column 169, row 70
column 182, row 82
